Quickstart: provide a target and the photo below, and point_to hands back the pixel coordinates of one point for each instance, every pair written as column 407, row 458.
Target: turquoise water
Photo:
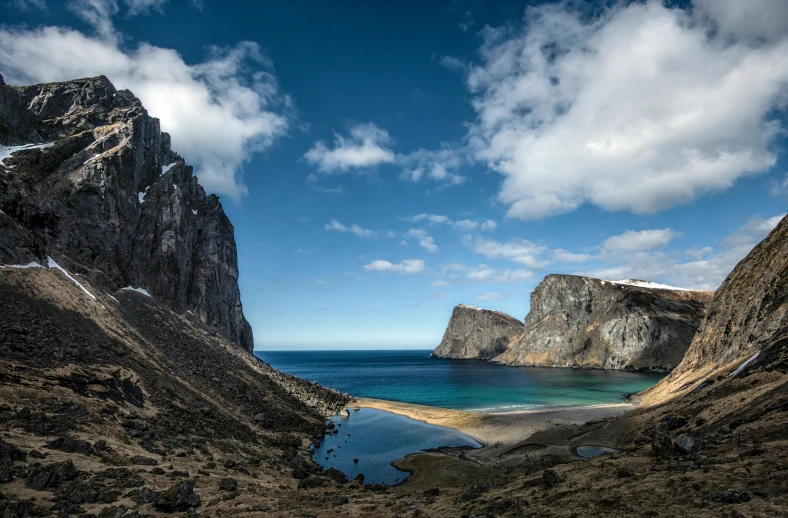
column 414, row 377
column 377, row 438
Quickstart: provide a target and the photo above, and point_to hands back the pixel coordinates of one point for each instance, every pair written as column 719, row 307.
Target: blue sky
column 385, row 161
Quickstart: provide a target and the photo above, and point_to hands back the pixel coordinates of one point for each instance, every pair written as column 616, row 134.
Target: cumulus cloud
column 563, row 256
column 490, row 295
column 638, row 241
column 753, row 19
column 641, row 109
column 425, row 240
column 439, row 165
column 706, row 269
column 520, row 251
column 336, row 226
column 407, row 266
column 463, row 225
column 365, row 148
column 219, row 112
column 753, row 231
column 485, row 273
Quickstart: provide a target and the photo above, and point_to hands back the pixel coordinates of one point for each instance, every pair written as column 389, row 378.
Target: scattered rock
column 228, row 484
column 51, row 476
column 335, row 475
column 662, row 444
column 625, row 473
column 686, row 444
column 179, row 497
column 70, row 445
column 550, row 478
column 139, row 460
column 144, row 495
column 313, row 481
column 432, row 492
column 11, row 453
column 730, row 496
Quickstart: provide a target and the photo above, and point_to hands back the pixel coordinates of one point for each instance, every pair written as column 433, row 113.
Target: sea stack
column 475, row 333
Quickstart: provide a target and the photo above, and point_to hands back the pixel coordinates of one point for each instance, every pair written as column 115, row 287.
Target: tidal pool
column 589, row 452
column 377, row 438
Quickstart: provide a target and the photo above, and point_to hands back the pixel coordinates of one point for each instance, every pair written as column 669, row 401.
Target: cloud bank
column 642, row 109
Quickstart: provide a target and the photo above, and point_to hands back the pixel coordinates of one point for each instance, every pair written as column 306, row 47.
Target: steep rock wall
column 103, row 193
column 477, row 333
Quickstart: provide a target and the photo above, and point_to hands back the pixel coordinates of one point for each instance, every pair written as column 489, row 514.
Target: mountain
column 88, row 179
column 477, row 333
column 583, row 322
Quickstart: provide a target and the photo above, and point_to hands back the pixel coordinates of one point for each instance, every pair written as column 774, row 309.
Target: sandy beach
column 504, row 432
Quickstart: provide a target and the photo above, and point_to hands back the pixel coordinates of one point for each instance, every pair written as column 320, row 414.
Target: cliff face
column 477, row 333
column 89, row 179
column 746, row 326
column 584, row 322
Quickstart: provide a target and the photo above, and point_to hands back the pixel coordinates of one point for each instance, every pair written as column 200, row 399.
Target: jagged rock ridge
column 584, row 322
column 477, row 333
column 108, row 199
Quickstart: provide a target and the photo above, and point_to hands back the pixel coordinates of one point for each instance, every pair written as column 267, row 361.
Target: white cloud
column 365, row 148
column 313, row 182
column 753, row 19
column 438, row 165
column 640, row 110
column 335, row 225
column 219, row 112
column 564, row 256
column 431, row 218
column 638, row 241
column 706, row 268
column 520, row 251
column 485, row 273
column 463, row 225
column 453, row 63
column 753, row 231
column 780, row 188
column 491, row 295
column 144, row 6
column 425, row 240
column 407, row 266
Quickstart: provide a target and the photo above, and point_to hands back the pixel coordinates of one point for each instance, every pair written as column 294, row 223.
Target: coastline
column 503, row 431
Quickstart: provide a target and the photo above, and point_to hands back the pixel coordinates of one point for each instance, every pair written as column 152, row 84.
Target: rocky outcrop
column 583, row 322
column 97, row 187
column 477, row 333
column 746, row 327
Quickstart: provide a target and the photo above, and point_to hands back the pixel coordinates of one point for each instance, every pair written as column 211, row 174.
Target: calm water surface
column 377, row 438
column 414, row 377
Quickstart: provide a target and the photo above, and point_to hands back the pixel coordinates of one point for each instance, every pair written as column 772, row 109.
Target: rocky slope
column 88, row 179
column 477, row 333
column 583, row 322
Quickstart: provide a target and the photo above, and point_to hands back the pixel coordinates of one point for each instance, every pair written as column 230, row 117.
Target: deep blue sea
column 413, row 377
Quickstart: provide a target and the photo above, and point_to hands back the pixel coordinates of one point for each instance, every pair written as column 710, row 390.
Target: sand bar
column 498, row 431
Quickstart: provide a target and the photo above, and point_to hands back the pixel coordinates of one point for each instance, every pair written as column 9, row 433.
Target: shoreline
column 499, row 432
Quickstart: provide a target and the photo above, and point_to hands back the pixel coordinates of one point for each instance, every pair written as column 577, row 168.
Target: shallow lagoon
column 377, row 438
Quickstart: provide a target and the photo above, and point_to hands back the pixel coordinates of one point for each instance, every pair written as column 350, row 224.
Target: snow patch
column 113, row 298
column 52, row 264
column 744, row 365
column 647, row 284
column 166, row 168
column 7, row 151
column 141, row 195
column 189, row 312
column 138, row 290
column 21, row 266
column 194, row 212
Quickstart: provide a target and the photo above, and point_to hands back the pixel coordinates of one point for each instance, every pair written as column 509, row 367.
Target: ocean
column 413, row 376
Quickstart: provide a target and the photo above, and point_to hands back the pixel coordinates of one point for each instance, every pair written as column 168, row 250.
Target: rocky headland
column 583, row 322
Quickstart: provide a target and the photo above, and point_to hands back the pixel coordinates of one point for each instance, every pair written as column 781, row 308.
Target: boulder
column 179, row 497
column 51, row 476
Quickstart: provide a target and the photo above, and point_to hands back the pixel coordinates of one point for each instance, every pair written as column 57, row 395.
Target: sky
column 384, row 161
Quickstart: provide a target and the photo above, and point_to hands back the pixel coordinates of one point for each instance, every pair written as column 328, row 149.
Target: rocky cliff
column 477, row 333
column 88, row 179
column 583, row 322
column 747, row 322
